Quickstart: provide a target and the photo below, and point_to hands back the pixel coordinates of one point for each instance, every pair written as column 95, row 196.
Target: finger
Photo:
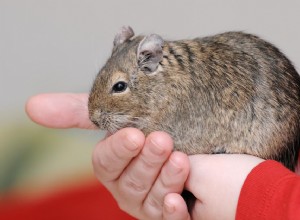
column 60, row 110
column 171, row 180
column 174, row 208
column 139, row 176
column 112, row 155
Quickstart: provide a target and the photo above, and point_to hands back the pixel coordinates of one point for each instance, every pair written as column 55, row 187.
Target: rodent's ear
column 150, row 53
column 124, row 34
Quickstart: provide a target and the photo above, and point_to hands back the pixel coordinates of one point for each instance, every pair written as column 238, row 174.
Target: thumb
column 174, row 208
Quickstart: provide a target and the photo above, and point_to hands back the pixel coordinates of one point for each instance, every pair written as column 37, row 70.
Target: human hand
column 143, row 175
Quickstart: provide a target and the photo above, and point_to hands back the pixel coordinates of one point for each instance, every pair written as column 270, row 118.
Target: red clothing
column 88, row 202
column 270, row 192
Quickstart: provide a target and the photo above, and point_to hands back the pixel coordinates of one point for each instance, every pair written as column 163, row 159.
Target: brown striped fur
column 227, row 93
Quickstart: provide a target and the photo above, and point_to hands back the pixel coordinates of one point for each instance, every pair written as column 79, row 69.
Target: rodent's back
column 244, row 91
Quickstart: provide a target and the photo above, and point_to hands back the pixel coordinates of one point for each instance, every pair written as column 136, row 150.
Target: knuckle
column 134, row 185
column 166, row 182
column 154, row 203
column 153, row 208
column 149, row 165
column 101, row 164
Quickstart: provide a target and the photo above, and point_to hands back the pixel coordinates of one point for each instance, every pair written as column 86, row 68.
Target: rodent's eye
column 119, row 87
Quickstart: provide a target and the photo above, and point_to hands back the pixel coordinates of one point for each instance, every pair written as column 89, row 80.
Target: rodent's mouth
column 111, row 128
column 95, row 123
column 112, row 122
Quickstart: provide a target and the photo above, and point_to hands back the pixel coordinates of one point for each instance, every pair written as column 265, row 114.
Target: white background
column 59, row 45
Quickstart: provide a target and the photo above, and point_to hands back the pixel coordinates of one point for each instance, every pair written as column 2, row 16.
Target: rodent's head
column 127, row 89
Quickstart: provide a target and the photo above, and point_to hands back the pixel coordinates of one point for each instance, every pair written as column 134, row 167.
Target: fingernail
column 157, row 149
column 169, row 208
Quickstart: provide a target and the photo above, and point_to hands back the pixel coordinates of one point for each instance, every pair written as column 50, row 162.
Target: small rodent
column 228, row 93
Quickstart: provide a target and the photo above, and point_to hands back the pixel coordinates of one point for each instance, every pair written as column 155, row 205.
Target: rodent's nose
column 94, row 118
column 97, row 117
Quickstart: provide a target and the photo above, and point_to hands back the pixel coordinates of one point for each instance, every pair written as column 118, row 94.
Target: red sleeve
column 270, row 192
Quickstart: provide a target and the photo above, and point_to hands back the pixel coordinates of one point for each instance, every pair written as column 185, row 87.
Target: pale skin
column 143, row 173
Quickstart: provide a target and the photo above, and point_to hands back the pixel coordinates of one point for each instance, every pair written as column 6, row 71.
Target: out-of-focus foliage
column 34, row 159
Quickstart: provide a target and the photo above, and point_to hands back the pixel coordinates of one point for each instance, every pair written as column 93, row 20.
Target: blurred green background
column 59, row 46
column 36, row 161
